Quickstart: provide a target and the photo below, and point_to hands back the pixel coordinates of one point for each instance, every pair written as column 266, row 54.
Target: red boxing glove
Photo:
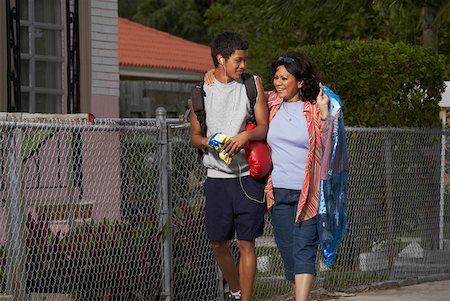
column 258, row 156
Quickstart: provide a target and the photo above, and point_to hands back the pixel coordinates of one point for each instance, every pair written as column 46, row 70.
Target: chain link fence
column 114, row 211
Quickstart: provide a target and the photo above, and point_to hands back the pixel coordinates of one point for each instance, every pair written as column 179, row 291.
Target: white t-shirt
column 227, row 108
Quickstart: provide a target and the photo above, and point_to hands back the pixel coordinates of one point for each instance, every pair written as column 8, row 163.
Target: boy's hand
column 205, row 142
column 233, row 145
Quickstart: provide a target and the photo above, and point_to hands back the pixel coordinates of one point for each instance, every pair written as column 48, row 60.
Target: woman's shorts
column 232, row 212
column 297, row 242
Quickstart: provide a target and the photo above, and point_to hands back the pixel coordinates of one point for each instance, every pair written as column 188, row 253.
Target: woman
column 298, row 113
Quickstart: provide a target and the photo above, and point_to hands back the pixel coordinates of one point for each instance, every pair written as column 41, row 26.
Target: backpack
column 198, row 100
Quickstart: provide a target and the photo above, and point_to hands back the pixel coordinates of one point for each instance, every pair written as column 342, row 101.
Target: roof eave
column 146, row 73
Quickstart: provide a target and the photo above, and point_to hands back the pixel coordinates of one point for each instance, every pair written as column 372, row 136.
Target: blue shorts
column 298, row 242
column 230, row 212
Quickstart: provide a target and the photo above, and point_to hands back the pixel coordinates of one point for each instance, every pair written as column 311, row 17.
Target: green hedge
column 380, row 83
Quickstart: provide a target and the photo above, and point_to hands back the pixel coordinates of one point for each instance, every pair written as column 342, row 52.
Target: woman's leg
column 306, row 243
column 283, row 221
column 303, row 285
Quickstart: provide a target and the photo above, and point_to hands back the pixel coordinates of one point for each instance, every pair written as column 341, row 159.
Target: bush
column 381, row 84
column 110, row 260
column 193, row 260
column 140, row 176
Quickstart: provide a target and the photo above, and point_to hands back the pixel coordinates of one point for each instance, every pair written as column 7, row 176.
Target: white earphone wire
column 245, row 192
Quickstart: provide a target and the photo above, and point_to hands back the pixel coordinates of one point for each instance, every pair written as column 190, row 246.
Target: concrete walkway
column 429, row 291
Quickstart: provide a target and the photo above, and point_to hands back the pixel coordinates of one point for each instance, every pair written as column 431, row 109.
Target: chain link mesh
column 81, row 213
column 393, row 209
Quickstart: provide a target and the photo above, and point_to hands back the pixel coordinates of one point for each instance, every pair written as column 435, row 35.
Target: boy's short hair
column 226, row 43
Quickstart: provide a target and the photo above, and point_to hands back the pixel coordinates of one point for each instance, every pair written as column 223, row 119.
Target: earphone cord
column 245, row 192
column 224, row 69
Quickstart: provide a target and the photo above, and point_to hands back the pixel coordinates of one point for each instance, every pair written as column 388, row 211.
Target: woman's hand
column 236, row 143
column 323, row 102
column 209, row 77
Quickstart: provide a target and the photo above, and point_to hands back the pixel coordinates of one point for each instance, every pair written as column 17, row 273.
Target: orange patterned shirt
column 309, row 196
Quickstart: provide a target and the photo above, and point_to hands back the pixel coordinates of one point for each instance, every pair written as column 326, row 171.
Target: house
column 157, row 69
column 67, row 57
column 74, row 54
column 62, row 58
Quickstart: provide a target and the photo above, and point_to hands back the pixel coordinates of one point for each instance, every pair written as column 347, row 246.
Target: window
column 41, row 31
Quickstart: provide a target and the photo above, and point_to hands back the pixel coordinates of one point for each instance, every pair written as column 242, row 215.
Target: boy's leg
column 249, row 224
column 220, row 226
column 226, row 262
column 247, row 268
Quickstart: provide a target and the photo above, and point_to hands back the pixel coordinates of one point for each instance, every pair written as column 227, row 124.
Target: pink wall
column 105, row 106
column 46, row 179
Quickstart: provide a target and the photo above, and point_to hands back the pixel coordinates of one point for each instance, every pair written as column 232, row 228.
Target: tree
column 182, row 18
column 178, row 17
column 128, row 8
column 427, row 18
column 273, row 26
column 435, row 14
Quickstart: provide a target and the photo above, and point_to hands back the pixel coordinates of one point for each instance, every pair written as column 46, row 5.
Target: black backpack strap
column 198, row 105
column 252, row 94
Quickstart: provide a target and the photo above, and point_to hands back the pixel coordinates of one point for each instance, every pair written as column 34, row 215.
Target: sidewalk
column 429, row 291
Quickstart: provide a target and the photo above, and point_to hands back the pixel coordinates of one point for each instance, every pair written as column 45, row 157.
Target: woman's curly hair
column 301, row 67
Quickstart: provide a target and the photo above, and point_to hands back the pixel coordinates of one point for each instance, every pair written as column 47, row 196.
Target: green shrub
column 193, row 261
column 380, row 83
column 94, row 261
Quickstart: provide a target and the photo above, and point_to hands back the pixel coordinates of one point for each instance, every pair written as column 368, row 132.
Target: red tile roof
column 146, row 47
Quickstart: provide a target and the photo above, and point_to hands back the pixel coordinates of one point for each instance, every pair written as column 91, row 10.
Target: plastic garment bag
column 332, row 215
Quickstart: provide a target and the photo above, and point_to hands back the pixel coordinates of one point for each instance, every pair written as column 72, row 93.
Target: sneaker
column 233, row 298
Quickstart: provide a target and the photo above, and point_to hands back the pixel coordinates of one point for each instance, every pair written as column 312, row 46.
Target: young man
column 234, row 200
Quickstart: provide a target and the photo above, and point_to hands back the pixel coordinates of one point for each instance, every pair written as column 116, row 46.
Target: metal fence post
column 390, row 214
column 442, row 182
column 70, row 183
column 221, row 289
column 165, row 216
column 16, row 250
